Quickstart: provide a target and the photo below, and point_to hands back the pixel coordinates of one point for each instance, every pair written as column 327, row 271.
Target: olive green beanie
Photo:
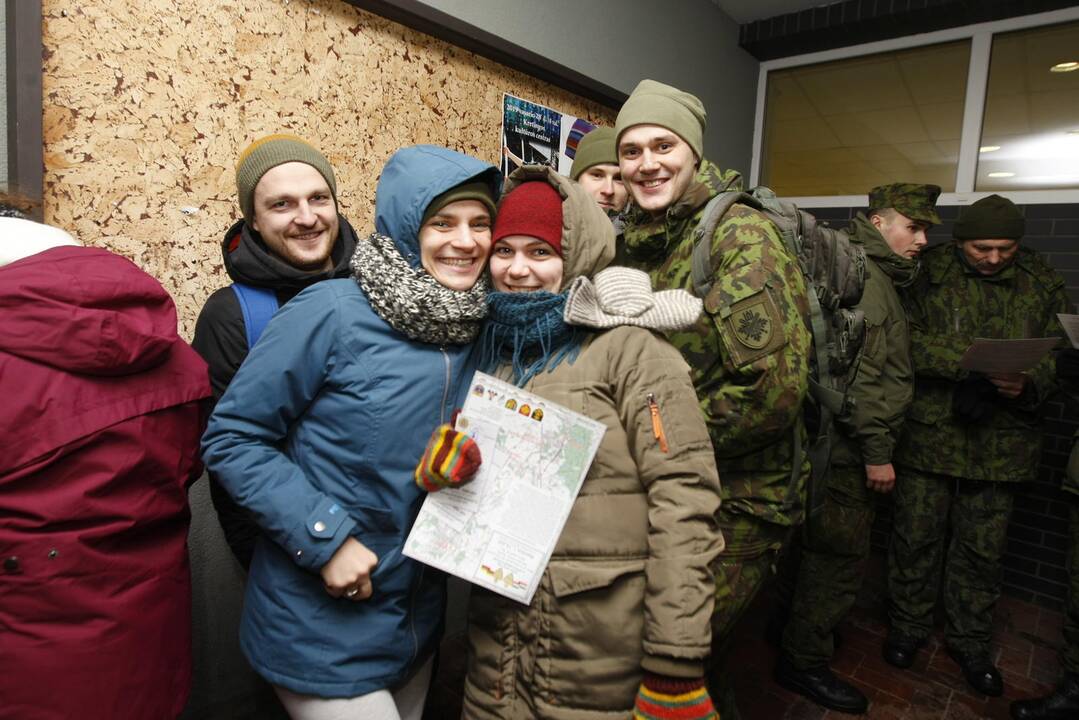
column 653, row 103
column 991, row 218
column 472, row 190
column 595, row 148
column 267, row 153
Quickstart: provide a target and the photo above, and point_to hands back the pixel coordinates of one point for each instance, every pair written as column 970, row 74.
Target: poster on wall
column 533, row 133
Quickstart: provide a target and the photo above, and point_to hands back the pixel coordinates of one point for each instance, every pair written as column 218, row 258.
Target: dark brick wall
column 1034, row 563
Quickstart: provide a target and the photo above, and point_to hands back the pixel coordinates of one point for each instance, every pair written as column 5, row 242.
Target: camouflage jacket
column 949, row 306
column 884, row 384
column 749, row 352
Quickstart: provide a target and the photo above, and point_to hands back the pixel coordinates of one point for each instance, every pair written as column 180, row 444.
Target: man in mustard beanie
column 749, row 352
column 595, row 167
column 290, row 236
column 969, row 437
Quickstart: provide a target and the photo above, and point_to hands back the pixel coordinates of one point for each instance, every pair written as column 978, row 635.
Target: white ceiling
column 744, row 11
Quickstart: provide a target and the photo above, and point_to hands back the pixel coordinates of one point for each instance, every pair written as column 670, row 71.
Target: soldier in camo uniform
column 1063, row 702
column 833, row 554
column 749, row 352
column 969, row 437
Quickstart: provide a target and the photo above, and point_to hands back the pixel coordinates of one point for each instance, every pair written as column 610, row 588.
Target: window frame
column 981, row 43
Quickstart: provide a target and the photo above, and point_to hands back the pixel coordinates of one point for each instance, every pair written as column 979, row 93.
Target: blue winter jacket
column 318, row 434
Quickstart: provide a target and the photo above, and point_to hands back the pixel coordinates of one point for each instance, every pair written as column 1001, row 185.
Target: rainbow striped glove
column 669, row 698
column 450, row 460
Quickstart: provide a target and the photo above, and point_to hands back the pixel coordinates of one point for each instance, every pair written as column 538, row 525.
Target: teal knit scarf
column 528, row 330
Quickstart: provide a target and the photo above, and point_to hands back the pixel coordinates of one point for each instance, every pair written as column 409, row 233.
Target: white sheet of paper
column 1071, row 327
column 1006, row 356
column 499, row 530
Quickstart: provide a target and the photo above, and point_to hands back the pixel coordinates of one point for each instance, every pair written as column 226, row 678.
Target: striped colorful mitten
column 669, row 698
column 450, row 460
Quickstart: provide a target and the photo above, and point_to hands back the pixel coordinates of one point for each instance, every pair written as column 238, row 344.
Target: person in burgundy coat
column 100, row 416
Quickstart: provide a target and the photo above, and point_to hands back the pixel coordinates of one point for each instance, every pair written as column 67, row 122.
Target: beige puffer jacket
column 629, row 585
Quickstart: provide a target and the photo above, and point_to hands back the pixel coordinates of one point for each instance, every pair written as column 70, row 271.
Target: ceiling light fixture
column 1001, row 174
column 1065, row 66
column 989, row 148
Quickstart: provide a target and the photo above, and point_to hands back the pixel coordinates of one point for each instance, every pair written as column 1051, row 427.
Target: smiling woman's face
column 454, row 243
column 520, row 263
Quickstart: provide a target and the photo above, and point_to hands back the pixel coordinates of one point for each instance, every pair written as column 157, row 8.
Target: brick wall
column 1034, row 563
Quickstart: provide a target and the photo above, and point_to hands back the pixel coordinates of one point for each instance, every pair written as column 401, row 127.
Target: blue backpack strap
column 258, row 305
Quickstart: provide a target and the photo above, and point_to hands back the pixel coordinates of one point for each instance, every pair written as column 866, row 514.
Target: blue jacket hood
column 411, row 179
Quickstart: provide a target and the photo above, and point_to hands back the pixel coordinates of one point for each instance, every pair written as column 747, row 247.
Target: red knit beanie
column 533, row 209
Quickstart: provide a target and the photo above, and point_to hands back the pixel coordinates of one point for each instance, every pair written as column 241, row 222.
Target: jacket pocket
column 377, row 530
column 592, row 633
column 571, row 577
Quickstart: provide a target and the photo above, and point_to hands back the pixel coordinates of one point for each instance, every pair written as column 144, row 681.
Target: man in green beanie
column 969, row 437
column 595, row 167
column 834, row 552
column 748, row 353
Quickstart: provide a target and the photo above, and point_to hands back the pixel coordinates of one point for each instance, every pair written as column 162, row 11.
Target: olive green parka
column 883, row 385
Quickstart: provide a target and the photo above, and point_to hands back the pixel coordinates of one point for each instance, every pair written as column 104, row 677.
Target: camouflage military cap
column 918, row 202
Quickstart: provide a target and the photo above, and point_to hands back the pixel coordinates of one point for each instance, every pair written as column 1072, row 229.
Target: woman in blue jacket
column 319, row 433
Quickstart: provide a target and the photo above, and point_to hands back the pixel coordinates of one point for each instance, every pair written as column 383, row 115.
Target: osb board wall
column 148, row 103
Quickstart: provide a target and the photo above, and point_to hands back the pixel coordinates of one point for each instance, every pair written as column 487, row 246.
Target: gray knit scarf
column 413, row 302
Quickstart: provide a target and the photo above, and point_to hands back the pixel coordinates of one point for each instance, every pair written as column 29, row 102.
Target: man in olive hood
column 892, row 233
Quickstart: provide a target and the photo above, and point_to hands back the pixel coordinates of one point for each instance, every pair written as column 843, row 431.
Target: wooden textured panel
column 148, row 104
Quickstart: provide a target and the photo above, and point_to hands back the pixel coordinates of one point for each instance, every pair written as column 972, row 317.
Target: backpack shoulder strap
column 713, row 213
column 258, row 305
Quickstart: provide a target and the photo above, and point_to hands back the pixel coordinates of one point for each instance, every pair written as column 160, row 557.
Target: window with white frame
column 1030, row 127
column 992, row 107
column 839, row 127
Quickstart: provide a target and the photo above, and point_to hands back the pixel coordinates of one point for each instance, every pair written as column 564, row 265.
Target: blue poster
column 535, row 134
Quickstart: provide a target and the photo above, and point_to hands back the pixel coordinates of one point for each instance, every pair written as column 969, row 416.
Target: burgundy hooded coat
column 100, row 418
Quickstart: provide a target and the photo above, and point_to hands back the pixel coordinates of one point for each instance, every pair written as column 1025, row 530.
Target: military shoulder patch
column 751, row 328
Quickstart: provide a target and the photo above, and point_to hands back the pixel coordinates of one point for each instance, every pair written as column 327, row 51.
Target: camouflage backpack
column 835, row 270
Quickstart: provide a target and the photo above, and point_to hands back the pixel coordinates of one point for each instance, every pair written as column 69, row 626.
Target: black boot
column 979, row 672
column 900, row 650
column 1062, row 704
column 822, row 687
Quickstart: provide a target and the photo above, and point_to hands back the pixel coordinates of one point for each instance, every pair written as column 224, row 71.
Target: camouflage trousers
column 742, row 569
column 978, row 512
column 1069, row 656
column 828, row 574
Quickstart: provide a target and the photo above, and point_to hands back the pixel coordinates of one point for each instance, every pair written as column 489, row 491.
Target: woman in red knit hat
column 620, row 621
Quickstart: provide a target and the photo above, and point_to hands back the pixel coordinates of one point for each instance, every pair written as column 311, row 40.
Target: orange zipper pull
column 657, row 423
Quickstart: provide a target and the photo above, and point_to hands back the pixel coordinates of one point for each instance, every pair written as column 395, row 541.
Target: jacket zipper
column 657, row 423
column 445, row 386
